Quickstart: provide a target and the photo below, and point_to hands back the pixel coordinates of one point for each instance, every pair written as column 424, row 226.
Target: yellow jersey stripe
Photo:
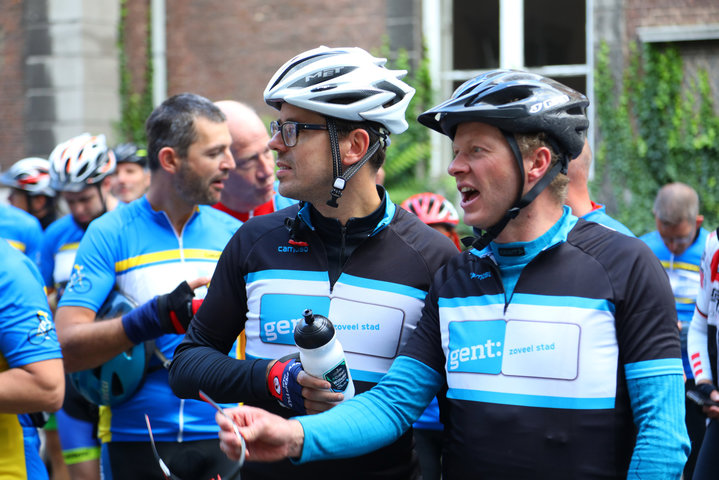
column 167, row 255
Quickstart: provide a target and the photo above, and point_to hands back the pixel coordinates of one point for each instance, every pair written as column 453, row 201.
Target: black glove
column 176, row 309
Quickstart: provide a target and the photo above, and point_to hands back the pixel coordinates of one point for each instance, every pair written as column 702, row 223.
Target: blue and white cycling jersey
column 59, row 247
column 268, row 276
column 136, row 250
column 22, row 231
column 27, row 335
column 683, row 272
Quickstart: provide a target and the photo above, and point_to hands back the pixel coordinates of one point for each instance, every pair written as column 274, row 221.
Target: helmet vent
column 507, row 96
column 398, row 93
column 117, row 388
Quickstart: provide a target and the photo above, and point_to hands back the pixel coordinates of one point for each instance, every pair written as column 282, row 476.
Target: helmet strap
column 341, row 179
column 522, row 201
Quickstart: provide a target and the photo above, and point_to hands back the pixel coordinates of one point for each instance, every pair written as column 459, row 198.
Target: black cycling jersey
column 370, row 278
column 536, row 382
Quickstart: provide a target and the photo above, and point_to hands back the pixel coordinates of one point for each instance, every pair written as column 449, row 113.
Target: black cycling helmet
column 131, row 153
column 517, row 102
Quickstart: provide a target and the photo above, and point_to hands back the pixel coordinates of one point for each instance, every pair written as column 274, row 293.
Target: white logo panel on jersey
column 64, row 260
column 533, row 355
column 371, row 324
column 684, row 282
column 143, row 283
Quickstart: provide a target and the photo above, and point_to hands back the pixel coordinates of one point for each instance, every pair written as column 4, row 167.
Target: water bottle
column 321, row 353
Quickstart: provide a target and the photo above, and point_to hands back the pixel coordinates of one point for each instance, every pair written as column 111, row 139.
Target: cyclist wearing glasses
column 360, row 260
column 554, row 339
column 250, row 188
column 143, row 250
column 679, row 242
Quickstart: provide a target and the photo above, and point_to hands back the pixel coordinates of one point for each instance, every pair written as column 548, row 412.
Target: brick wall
column 645, row 13
column 229, row 50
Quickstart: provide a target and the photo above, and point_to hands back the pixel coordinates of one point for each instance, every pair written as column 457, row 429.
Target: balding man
column 250, row 190
column 578, row 194
column 678, row 242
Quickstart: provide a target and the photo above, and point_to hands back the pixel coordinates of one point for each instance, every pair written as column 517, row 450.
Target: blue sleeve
column 374, row 418
column 27, row 333
column 662, row 444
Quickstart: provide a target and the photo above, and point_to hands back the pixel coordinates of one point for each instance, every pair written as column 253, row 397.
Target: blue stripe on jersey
column 287, row 275
column 484, row 300
column 528, row 299
column 563, row 301
column 383, row 286
column 653, row 368
column 541, row 401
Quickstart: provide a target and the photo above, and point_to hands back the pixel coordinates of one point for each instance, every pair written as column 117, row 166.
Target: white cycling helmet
column 30, row 175
column 80, row 162
column 346, row 83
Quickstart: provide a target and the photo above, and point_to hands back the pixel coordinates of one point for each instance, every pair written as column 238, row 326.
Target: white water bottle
column 321, row 354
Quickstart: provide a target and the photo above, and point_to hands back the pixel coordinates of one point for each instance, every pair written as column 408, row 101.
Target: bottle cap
column 313, row 331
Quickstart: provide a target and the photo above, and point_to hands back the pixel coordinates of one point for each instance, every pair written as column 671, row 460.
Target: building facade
column 60, row 60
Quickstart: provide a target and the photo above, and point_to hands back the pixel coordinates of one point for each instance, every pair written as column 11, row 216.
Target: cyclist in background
column 250, row 190
column 29, row 182
column 143, row 250
column 132, row 177
column 80, row 170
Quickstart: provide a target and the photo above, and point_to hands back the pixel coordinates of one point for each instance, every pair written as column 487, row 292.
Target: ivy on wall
column 656, row 126
column 135, row 106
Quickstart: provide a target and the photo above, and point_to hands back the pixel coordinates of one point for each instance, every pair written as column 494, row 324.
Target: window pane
column 577, row 83
column 554, row 32
column 476, row 34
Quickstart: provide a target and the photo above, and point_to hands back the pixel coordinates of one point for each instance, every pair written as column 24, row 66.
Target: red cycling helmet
column 434, row 209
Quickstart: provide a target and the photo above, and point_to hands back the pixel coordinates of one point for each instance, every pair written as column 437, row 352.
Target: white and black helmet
column 30, row 175
column 80, row 162
column 346, row 83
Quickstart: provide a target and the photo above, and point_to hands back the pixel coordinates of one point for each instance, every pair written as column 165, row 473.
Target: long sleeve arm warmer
column 697, row 347
column 199, row 363
column 374, row 418
column 662, row 445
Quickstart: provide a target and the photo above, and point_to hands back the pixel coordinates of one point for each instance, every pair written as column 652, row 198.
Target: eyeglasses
column 290, row 130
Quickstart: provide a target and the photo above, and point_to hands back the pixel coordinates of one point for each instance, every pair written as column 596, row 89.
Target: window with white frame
column 467, row 37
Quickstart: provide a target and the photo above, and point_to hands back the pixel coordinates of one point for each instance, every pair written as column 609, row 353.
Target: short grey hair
column 675, row 203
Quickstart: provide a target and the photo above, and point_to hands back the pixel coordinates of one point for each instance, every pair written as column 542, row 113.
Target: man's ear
column 356, row 144
column 539, row 163
column 168, row 159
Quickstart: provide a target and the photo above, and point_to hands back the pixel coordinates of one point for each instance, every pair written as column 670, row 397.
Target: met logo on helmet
column 328, row 73
column 549, row 103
